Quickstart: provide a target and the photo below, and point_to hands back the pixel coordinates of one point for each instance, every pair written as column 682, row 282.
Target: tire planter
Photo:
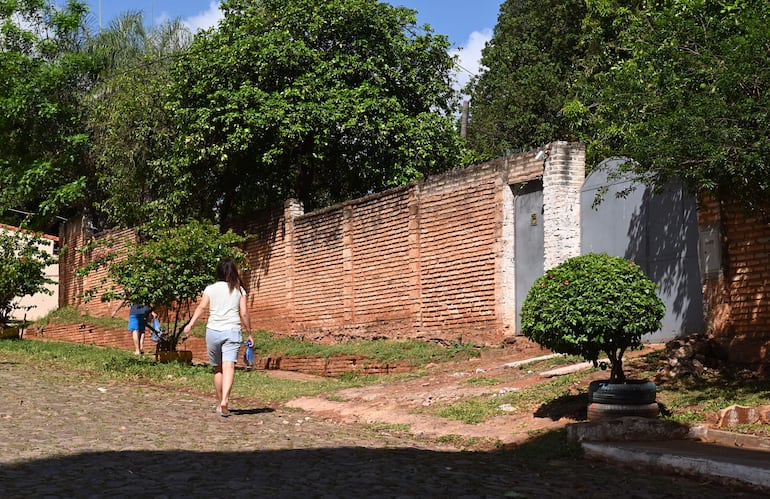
column 600, row 412
column 633, row 392
column 615, row 400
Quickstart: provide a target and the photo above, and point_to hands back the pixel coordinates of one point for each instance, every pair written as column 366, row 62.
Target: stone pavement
column 64, row 435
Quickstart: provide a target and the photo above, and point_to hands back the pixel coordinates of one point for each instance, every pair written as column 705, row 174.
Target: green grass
column 690, row 399
column 382, row 351
column 478, row 409
column 414, row 352
column 67, row 315
column 121, row 365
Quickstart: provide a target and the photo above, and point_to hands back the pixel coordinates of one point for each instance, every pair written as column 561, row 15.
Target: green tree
column 132, row 132
column 23, row 262
column 168, row 268
column 686, row 95
column 529, row 65
column 591, row 304
column 322, row 101
column 43, row 72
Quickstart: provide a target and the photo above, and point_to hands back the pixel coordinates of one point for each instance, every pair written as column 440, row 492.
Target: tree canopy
column 687, row 95
column 592, row 304
column 529, row 65
column 43, row 72
column 168, row 268
column 132, row 131
column 322, row 101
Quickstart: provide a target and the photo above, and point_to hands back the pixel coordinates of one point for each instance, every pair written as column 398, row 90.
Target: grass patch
column 417, row 353
column 479, row 409
column 482, row 381
column 688, row 400
column 459, row 442
column 381, row 351
column 389, row 427
column 70, row 315
column 121, row 365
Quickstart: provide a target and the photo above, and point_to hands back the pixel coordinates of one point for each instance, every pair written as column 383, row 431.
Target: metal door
column 529, row 247
column 658, row 231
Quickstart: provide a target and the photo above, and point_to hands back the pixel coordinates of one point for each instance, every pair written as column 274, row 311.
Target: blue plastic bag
column 157, row 332
column 248, row 354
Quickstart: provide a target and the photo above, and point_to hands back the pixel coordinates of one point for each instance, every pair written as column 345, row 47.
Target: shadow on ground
column 546, row 466
column 573, row 407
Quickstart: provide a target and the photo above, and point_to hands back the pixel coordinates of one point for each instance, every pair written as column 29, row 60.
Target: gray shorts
column 223, row 346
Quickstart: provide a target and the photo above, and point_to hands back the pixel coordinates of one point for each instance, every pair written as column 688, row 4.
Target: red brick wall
column 75, row 236
column 421, row 261
column 737, row 301
column 269, row 278
column 458, row 229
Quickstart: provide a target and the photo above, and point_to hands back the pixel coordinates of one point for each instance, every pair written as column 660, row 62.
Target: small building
column 36, row 306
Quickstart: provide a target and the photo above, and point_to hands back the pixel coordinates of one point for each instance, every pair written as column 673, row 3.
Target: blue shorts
column 223, row 346
column 137, row 323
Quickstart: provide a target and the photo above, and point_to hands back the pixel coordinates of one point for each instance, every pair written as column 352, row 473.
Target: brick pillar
column 505, row 266
column 291, row 208
column 348, row 284
column 415, row 257
column 562, row 180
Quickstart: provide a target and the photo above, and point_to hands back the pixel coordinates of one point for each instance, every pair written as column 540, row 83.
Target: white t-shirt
column 224, row 306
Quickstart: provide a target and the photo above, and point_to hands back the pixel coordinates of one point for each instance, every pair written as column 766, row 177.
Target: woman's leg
column 227, row 372
column 218, row 383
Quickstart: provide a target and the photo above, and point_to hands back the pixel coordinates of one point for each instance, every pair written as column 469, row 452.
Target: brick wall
column 434, row 259
column 431, row 260
column 736, row 300
column 74, row 236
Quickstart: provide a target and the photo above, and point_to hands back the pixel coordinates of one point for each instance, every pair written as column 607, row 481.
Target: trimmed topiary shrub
column 591, row 304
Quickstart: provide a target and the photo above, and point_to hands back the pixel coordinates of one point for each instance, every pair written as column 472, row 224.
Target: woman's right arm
column 202, row 306
column 243, row 310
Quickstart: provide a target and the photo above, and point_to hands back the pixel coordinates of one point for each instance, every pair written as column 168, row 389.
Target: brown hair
column 227, row 271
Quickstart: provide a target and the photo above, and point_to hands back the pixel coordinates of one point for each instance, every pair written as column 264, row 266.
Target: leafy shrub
column 168, row 268
column 23, row 262
column 591, row 304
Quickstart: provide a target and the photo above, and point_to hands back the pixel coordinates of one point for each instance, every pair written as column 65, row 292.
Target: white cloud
column 469, row 56
column 206, row 19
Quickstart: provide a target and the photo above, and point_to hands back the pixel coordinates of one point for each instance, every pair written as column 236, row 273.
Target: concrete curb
column 667, row 445
column 665, row 458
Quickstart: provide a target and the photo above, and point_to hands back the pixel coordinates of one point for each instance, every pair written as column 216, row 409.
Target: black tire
column 634, row 392
column 601, row 412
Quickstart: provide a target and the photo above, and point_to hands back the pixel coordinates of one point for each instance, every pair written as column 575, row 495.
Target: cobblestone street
column 64, row 435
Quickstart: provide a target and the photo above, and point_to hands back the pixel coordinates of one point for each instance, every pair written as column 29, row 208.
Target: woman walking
column 226, row 302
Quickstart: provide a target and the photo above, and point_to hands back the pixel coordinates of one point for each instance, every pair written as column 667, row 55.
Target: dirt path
column 410, row 402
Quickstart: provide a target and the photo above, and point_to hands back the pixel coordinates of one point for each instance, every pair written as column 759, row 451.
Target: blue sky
column 467, row 24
